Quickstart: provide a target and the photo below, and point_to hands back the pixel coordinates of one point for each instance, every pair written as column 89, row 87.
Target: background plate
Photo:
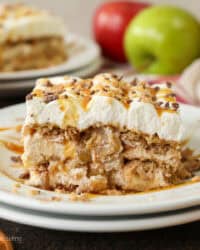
column 21, row 87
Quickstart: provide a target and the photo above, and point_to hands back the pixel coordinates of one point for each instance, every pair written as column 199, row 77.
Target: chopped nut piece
column 160, row 103
column 50, row 97
column 167, row 105
column 24, row 175
column 29, row 97
column 154, row 98
column 134, row 82
column 16, row 159
column 48, row 84
column 157, row 88
column 175, row 105
column 169, row 84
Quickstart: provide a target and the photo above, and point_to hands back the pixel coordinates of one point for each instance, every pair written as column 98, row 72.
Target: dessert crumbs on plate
column 33, row 192
column 195, row 179
column 59, row 191
column 56, row 198
column 79, row 197
column 17, row 185
column 15, row 188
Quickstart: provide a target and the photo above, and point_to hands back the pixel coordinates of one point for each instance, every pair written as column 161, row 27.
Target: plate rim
column 88, row 209
column 29, row 83
column 99, row 226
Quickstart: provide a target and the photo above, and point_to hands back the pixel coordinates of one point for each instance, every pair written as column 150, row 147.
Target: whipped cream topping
column 105, row 99
column 20, row 22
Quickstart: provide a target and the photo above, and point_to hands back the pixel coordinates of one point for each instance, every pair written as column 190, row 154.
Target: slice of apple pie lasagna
column 102, row 134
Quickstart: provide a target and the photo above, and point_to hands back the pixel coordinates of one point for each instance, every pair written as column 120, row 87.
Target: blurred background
column 170, row 47
column 77, row 14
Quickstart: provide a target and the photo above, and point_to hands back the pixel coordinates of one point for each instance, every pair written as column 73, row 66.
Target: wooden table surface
column 185, row 237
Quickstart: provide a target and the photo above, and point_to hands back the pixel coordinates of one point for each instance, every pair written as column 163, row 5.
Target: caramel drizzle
column 160, row 111
column 17, row 128
column 85, row 102
column 19, row 149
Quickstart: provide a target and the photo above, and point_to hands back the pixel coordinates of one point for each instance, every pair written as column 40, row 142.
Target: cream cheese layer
column 70, row 101
column 19, row 22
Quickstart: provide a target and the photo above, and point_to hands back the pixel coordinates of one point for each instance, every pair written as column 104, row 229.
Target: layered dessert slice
column 102, row 134
column 29, row 38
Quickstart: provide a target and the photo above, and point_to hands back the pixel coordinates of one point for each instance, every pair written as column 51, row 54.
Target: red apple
column 109, row 24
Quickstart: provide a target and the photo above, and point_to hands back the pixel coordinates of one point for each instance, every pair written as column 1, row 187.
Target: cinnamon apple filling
column 101, row 158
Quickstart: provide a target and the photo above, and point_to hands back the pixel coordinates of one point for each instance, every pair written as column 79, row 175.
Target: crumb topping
column 17, row 10
column 111, row 85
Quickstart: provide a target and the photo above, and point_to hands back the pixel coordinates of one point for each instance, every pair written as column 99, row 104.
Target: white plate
column 103, row 224
column 152, row 202
column 81, row 52
column 20, row 87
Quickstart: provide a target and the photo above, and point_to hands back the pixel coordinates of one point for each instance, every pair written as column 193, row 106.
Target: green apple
column 162, row 40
